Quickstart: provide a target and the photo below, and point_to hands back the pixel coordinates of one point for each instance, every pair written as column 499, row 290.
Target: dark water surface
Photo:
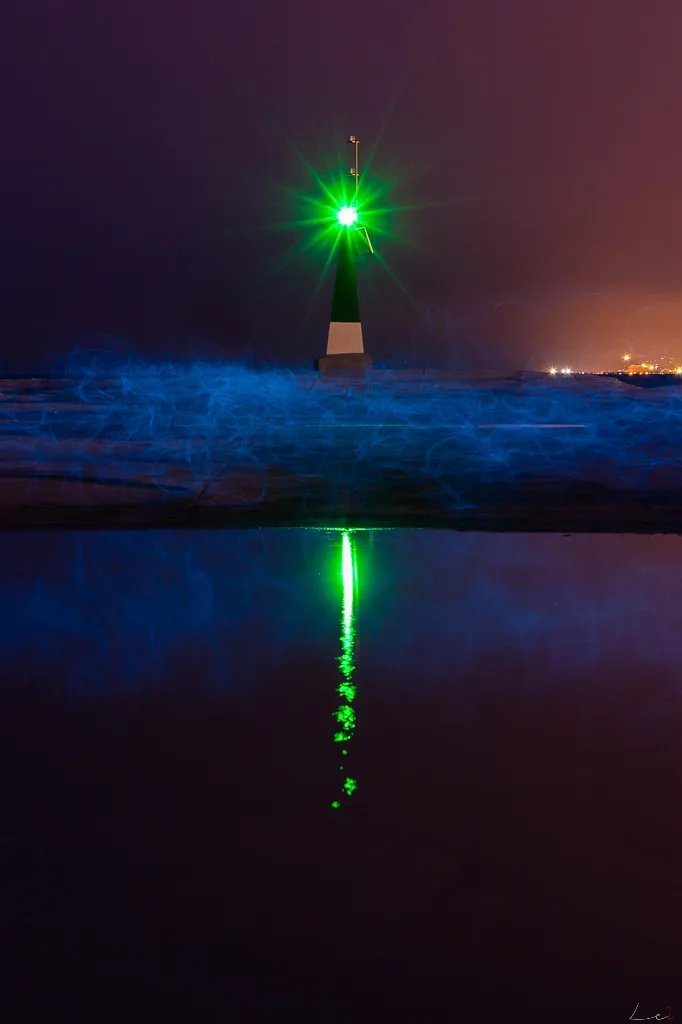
column 494, row 831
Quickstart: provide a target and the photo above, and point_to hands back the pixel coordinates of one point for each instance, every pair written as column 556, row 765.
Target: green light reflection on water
column 345, row 714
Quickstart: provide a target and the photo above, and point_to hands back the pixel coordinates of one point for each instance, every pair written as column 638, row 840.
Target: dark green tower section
column 345, row 304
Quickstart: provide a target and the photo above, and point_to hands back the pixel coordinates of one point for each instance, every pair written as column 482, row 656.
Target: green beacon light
column 347, row 216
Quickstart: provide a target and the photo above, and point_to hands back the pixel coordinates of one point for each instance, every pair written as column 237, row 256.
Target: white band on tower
column 344, row 339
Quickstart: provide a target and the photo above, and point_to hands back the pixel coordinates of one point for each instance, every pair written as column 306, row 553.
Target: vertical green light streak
column 348, row 576
column 345, row 713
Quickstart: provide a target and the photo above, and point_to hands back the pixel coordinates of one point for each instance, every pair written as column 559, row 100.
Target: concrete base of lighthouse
column 345, row 349
column 345, row 362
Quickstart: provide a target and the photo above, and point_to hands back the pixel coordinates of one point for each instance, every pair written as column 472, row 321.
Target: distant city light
column 664, row 366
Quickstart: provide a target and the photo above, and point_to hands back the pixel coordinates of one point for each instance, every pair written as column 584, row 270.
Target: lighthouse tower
column 345, row 346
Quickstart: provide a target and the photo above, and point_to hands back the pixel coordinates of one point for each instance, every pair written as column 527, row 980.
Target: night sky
column 148, row 149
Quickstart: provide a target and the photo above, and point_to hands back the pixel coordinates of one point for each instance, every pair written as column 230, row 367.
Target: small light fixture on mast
column 355, row 173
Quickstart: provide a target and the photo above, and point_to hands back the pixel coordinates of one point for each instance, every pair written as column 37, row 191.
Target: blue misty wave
column 182, row 430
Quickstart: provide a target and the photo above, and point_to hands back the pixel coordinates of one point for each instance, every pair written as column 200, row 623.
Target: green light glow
column 347, row 215
column 347, row 690
column 346, row 717
column 378, row 201
column 345, row 713
column 343, row 529
column 348, row 579
column 334, row 207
